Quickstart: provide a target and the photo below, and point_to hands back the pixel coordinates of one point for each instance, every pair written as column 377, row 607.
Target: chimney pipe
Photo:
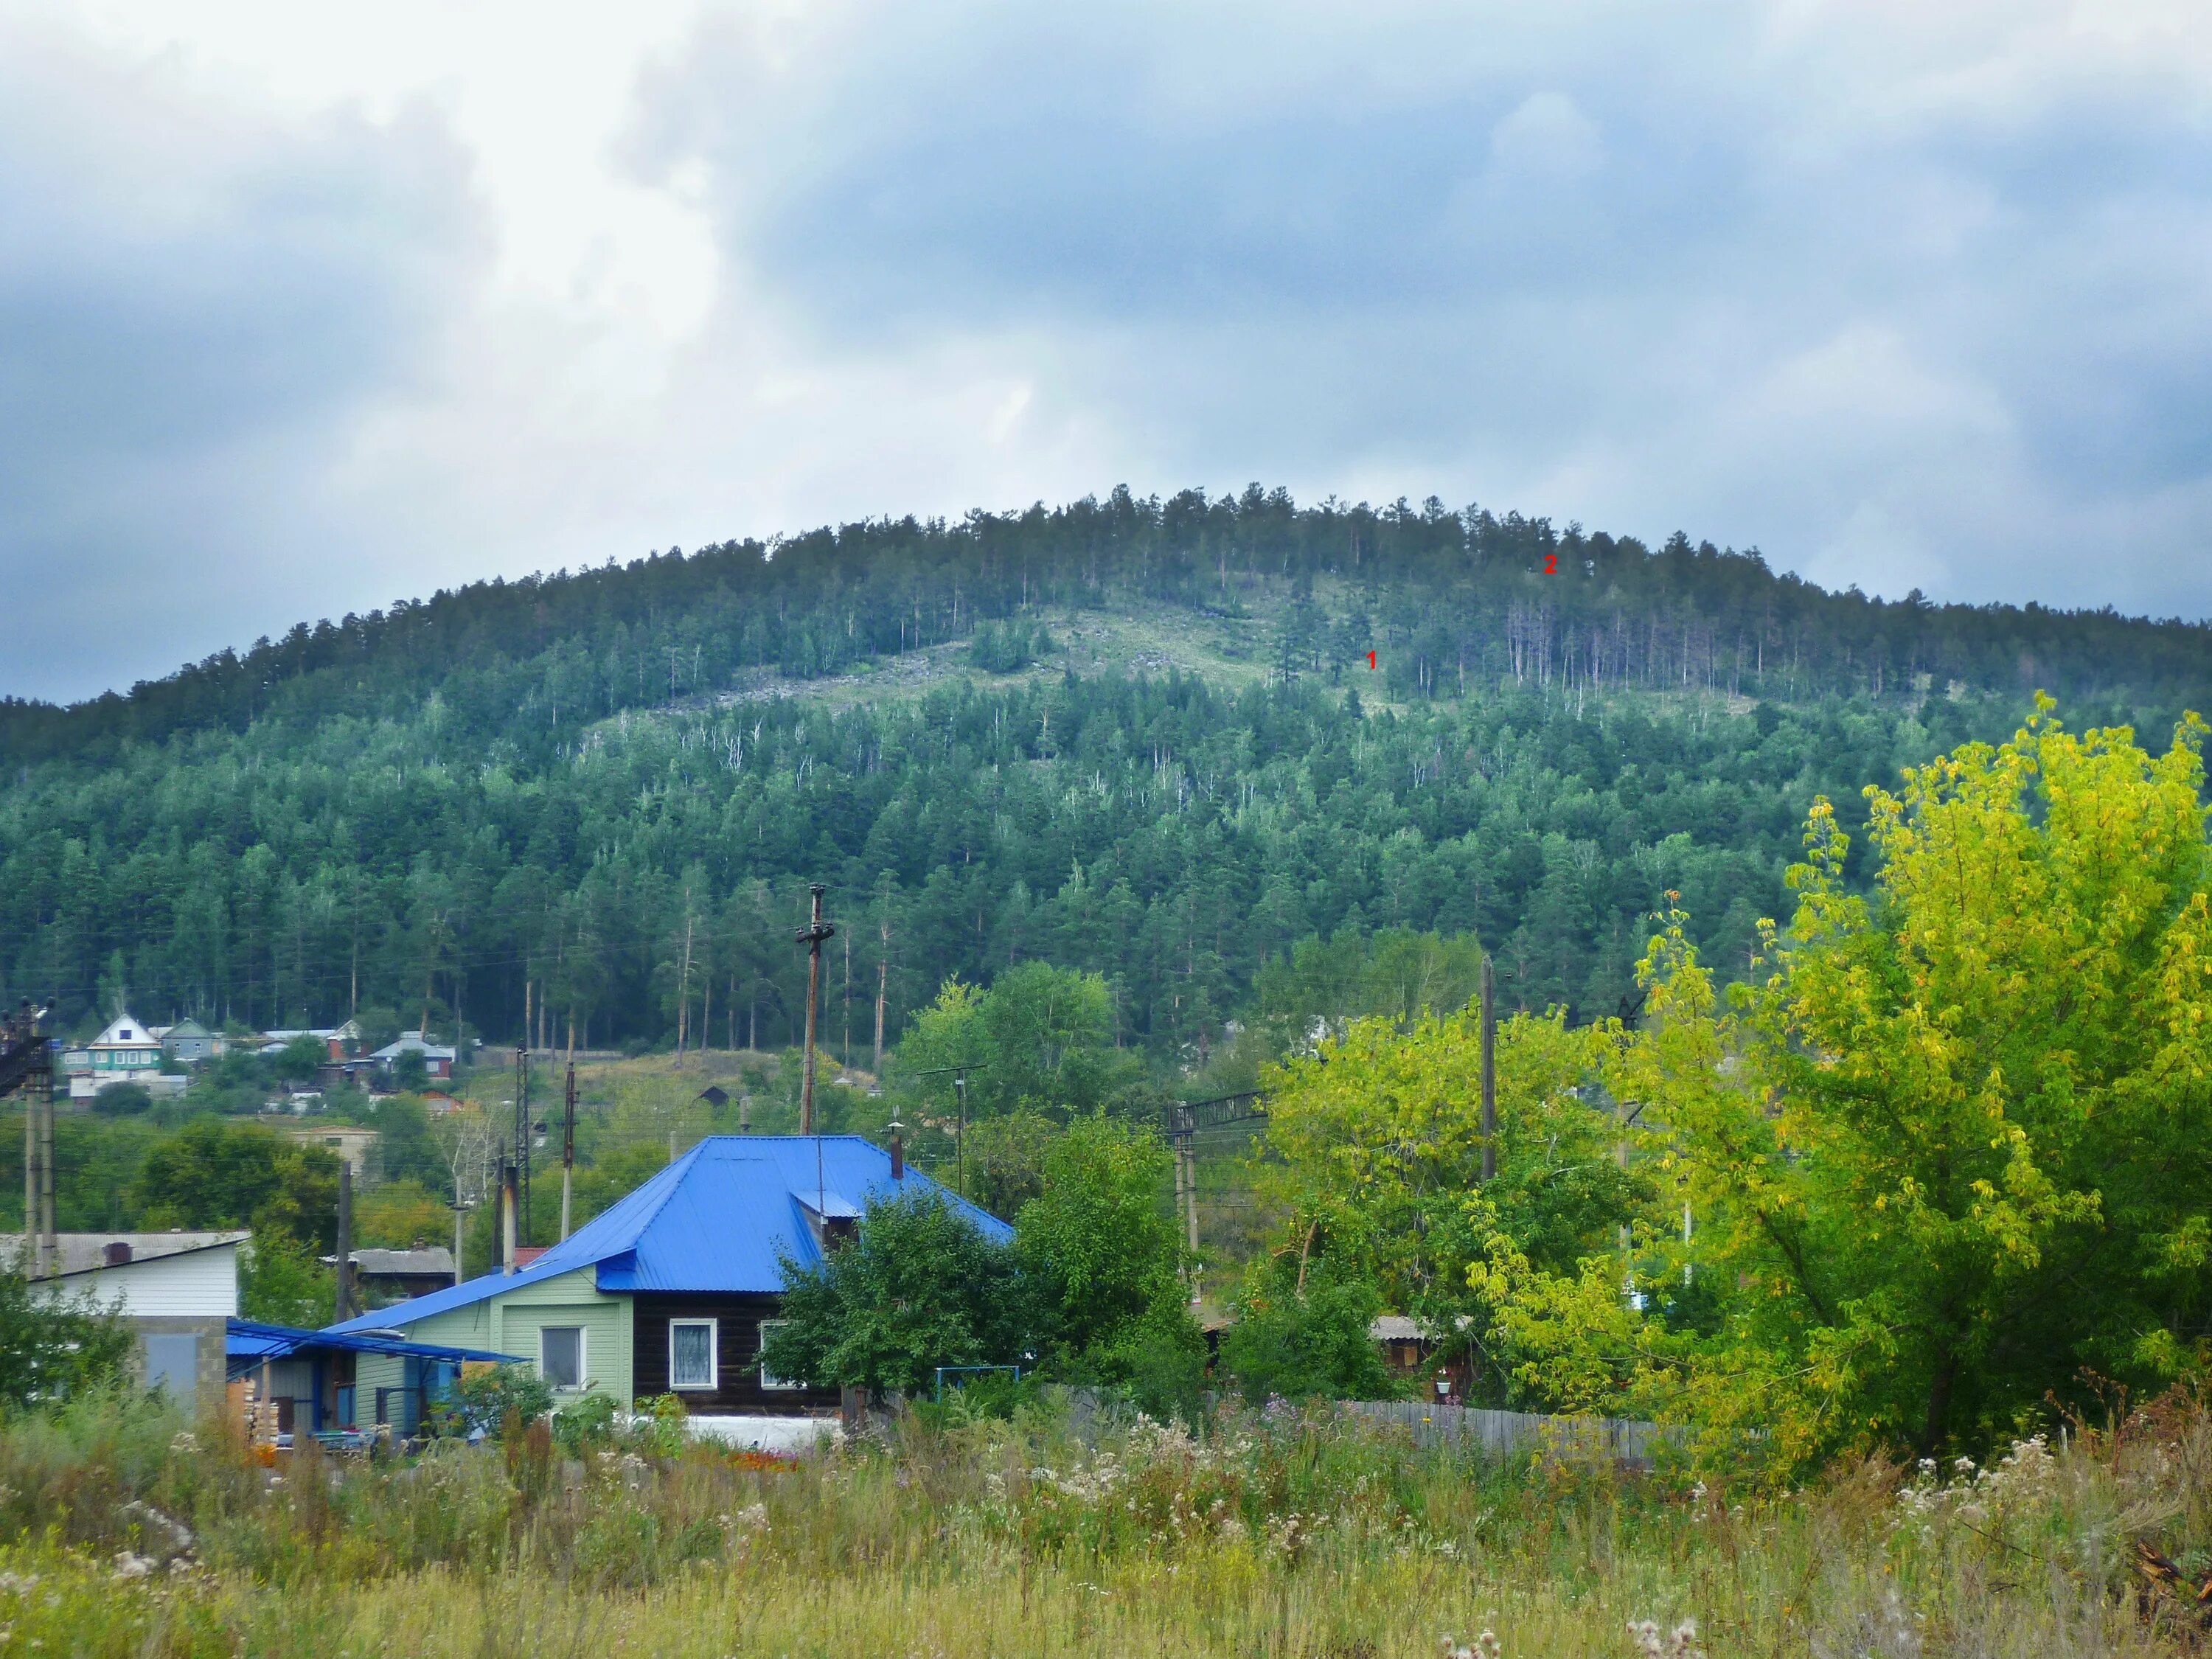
column 510, row 1197
column 898, row 1151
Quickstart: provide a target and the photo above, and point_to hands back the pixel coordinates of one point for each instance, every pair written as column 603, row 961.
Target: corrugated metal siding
column 509, row 1323
column 195, row 1284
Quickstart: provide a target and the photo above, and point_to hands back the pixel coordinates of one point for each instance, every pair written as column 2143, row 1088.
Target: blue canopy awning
column 248, row 1343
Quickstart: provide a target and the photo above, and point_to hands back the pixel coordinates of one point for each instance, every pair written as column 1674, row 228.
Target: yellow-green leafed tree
column 1376, row 1144
column 1950, row 1148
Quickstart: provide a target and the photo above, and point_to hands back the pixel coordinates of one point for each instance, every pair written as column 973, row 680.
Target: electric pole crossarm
column 811, row 936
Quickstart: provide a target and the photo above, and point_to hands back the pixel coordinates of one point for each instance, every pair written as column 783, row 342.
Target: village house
column 340, row 1042
column 671, row 1289
column 353, row 1144
column 189, row 1042
column 383, row 1276
column 437, row 1061
column 125, row 1052
column 175, row 1291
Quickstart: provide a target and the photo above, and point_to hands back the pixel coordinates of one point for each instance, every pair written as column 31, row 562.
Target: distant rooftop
column 83, row 1253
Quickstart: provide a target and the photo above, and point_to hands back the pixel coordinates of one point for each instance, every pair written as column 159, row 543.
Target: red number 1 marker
column 1371, row 660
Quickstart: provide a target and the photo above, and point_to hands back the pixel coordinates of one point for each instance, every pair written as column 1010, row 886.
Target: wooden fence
column 1502, row 1434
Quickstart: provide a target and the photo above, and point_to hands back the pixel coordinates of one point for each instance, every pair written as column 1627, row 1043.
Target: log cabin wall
column 738, row 1388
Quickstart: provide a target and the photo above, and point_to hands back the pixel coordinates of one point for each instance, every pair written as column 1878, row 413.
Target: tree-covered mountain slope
column 1140, row 737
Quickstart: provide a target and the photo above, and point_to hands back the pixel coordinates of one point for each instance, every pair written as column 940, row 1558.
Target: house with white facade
column 127, row 1051
column 176, row 1291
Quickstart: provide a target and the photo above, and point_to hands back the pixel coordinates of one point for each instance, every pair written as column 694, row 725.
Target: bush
column 491, row 1400
column 1306, row 1341
column 52, row 1351
column 587, row 1426
column 123, row 1100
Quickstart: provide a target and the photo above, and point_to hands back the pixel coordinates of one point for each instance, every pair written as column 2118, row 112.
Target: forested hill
column 1136, row 736
column 1462, row 601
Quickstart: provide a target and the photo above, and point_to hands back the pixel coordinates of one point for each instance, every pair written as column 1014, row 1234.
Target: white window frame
column 583, row 1361
column 713, row 1356
column 772, row 1384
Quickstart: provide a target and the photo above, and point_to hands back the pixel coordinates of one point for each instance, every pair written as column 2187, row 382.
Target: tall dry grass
column 1270, row 1534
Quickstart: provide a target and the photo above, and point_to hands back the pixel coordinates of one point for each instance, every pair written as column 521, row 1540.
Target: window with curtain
column 692, row 1353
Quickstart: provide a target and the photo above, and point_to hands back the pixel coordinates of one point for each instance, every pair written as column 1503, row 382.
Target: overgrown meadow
column 1069, row 1529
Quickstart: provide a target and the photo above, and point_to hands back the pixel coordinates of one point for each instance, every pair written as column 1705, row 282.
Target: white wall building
column 177, row 1291
column 126, row 1052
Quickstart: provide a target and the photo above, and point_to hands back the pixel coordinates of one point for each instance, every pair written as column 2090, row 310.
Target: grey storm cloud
column 1646, row 266
column 1906, row 296
column 196, row 300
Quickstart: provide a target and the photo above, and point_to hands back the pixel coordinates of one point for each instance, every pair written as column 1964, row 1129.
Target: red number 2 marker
column 1551, row 564
column 1371, row 660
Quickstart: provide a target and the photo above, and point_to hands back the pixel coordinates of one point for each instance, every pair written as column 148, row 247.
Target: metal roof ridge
column 482, row 1286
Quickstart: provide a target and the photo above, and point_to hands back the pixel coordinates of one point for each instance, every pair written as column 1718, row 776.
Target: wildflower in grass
column 1654, row 1643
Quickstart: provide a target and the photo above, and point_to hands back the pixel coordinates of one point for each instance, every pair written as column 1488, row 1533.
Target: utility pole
column 50, row 1251
column 811, row 937
column 460, row 1233
column 345, row 1241
column 32, row 1240
column 1489, row 1070
column 568, row 1149
column 960, row 1089
column 521, row 1144
column 882, row 985
column 960, row 1143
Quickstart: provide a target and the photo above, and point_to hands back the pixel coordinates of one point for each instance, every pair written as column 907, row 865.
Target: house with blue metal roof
column 667, row 1290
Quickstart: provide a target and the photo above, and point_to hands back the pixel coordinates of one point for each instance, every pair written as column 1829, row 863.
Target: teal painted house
column 668, row 1291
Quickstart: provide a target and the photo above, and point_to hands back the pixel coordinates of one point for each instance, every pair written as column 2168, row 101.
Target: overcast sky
column 306, row 308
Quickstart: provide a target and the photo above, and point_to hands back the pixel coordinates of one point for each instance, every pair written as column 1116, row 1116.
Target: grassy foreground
column 1275, row 1534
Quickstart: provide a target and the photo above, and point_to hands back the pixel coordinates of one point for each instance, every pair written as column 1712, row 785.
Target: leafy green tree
column 224, row 1173
column 1302, row 1332
column 52, row 1348
column 397, row 1215
column 1945, row 1151
column 280, row 1282
column 1101, row 1239
column 405, row 1149
column 1041, row 1039
column 1377, row 1165
column 410, row 1072
column 298, row 1061
column 917, row 1287
column 1005, row 1159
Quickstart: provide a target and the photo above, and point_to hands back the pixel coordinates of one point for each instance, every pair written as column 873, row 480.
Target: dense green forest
column 604, row 792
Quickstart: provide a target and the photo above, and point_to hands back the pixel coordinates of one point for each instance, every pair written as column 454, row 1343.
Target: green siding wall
column 509, row 1323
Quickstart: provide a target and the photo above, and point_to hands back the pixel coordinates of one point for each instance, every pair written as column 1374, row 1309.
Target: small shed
column 288, row 1381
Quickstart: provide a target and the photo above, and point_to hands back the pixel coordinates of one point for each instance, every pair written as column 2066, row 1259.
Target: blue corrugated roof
column 250, row 1340
column 719, row 1218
